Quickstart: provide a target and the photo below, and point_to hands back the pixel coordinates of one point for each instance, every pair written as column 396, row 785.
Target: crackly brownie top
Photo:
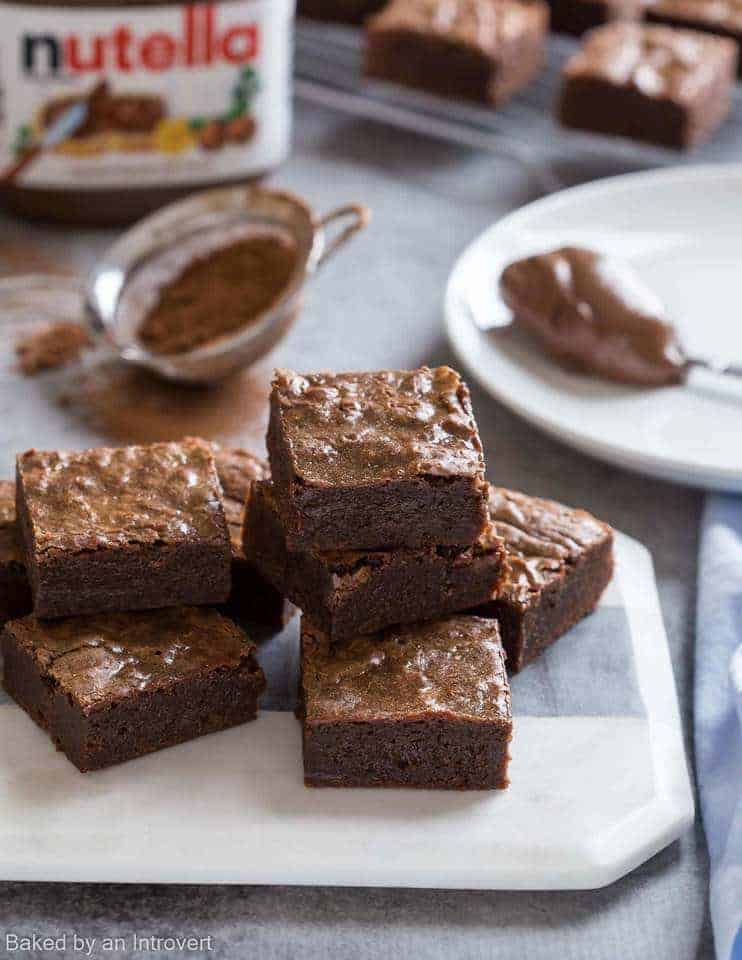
column 237, row 469
column 721, row 13
column 657, row 61
column 541, row 537
column 349, row 428
column 103, row 659
column 10, row 545
column 482, row 24
column 448, row 668
column 112, row 497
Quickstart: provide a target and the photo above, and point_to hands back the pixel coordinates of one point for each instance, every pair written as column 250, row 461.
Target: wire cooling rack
column 328, row 71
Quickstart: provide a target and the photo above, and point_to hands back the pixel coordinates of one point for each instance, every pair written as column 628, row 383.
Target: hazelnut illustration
column 211, row 136
column 240, row 129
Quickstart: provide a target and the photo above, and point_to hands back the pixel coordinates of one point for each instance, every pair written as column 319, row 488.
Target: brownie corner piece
column 113, row 687
column 664, row 86
column 425, row 705
column 376, row 459
column 560, row 562
column 124, row 528
column 483, row 50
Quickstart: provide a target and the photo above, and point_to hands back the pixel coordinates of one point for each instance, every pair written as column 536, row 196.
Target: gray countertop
column 380, row 305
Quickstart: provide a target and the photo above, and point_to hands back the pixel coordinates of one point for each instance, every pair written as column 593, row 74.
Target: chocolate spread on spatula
column 593, row 314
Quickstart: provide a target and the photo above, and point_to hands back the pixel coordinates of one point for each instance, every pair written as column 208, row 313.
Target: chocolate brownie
column 123, row 529
column 374, row 460
column 340, row 11
column 668, row 87
column 113, row 687
column 720, row 17
column 354, row 592
column 577, row 16
column 483, row 50
column 425, row 705
column 252, row 596
column 560, row 562
column 15, row 593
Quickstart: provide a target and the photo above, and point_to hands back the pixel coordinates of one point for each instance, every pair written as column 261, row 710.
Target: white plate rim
column 463, row 335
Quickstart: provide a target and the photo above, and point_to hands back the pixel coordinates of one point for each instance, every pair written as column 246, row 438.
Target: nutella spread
column 111, row 109
column 594, row 315
column 219, row 293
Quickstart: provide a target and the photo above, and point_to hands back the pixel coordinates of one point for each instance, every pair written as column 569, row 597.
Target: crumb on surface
column 52, row 346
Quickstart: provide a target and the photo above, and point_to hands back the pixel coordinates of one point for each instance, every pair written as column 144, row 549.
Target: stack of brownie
column 378, row 523
column 375, row 524
column 122, row 555
column 417, row 580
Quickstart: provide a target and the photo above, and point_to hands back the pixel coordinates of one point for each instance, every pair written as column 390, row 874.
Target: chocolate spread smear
column 594, row 315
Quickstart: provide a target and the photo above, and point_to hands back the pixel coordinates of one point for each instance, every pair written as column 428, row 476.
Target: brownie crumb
column 52, row 346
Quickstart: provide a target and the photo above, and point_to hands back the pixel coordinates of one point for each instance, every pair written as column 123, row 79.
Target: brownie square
column 15, row 592
column 577, row 16
column 123, row 529
column 347, row 593
column 560, row 561
column 664, row 86
column 484, row 50
column 252, row 597
column 423, row 705
column 374, row 460
column 340, row 11
column 113, row 687
column 720, row 17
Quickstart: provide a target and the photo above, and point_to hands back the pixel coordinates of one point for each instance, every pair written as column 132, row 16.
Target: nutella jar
column 109, row 110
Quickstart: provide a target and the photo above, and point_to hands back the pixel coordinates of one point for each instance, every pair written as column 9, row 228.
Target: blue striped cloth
column 718, row 714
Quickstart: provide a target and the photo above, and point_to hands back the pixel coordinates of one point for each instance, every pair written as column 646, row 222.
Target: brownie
column 339, row 11
column 123, row 529
column 15, row 593
column 720, row 17
column 577, row 16
column 374, row 460
column 347, row 593
column 483, row 50
column 560, row 561
column 665, row 86
column 423, row 705
column 113, row 687
column 252, row 596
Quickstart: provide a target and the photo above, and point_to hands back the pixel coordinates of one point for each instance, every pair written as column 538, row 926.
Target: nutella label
column 163, row 95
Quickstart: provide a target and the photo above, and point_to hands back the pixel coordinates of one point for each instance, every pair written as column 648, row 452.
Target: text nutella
column 117, row 99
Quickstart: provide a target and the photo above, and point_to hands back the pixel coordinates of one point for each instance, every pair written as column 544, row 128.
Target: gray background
column 380, row 305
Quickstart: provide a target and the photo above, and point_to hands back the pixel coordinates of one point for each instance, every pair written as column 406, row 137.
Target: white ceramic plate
column 682, row 231
column 591, row 796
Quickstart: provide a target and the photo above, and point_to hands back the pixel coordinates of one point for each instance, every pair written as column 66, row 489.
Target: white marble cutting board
column 591, row 798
